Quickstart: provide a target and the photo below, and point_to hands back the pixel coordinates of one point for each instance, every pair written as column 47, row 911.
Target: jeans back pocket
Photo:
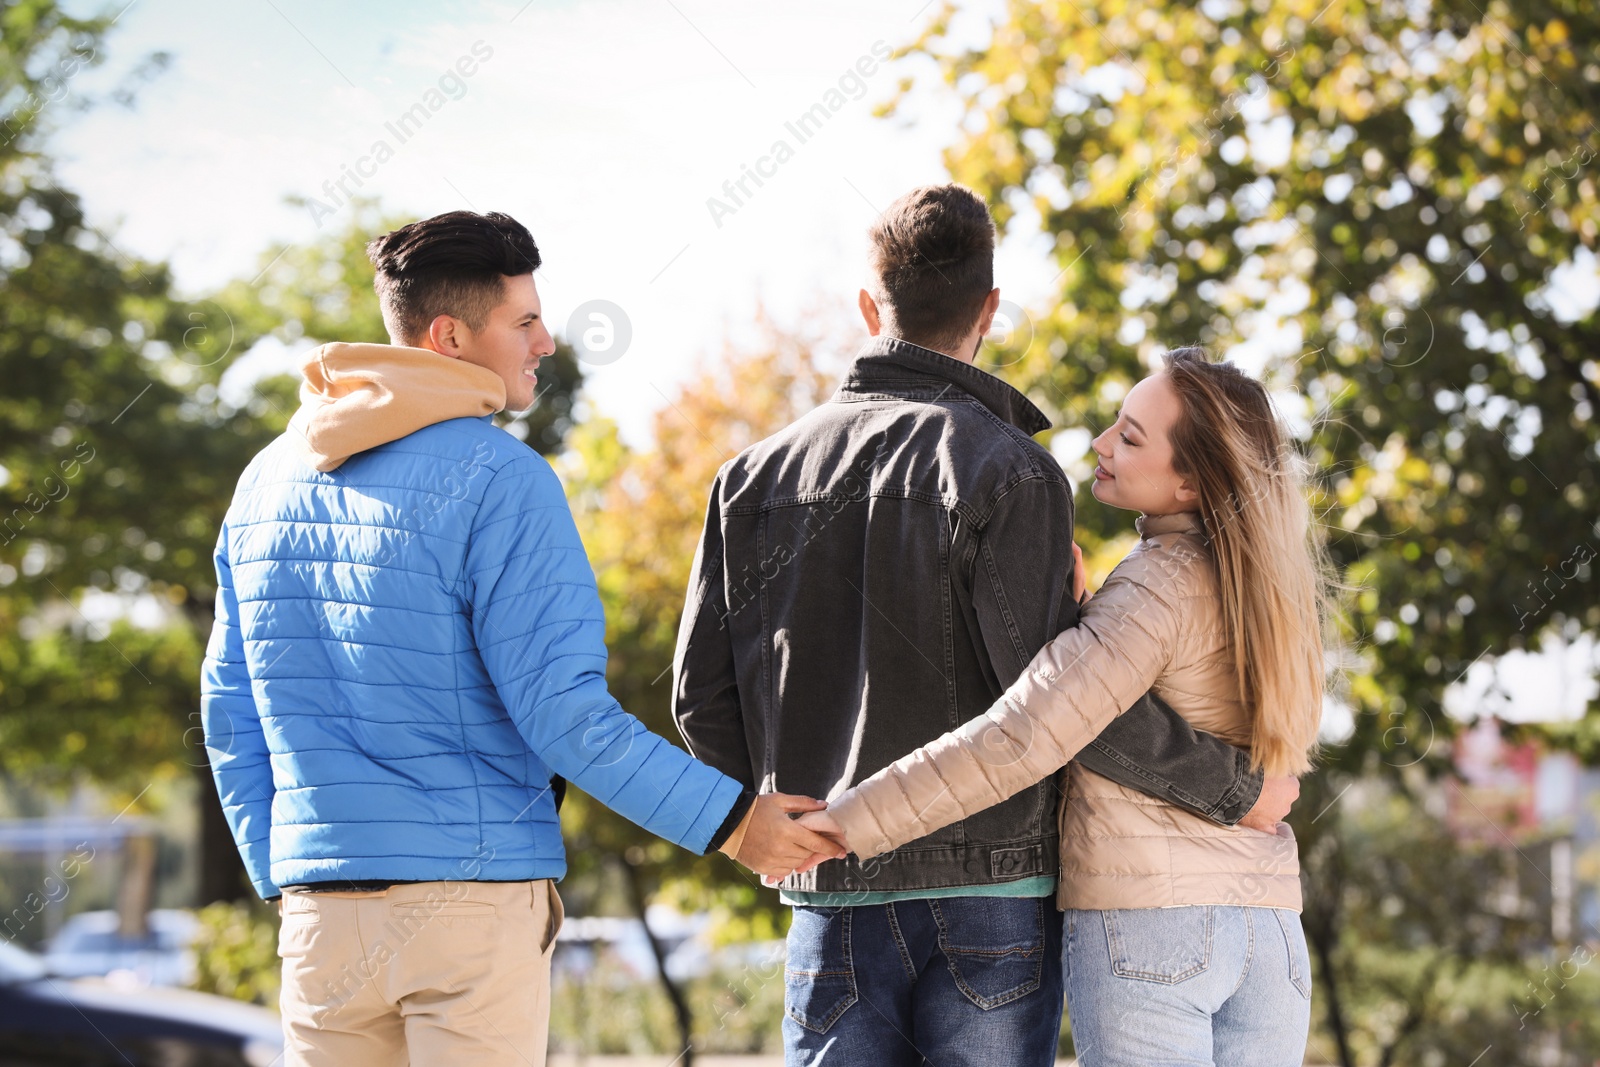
column 995, row 945
column 1167, row 945
column 820, row 977
column 1294, row 937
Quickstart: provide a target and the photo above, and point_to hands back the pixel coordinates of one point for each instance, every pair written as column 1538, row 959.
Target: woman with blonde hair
column 1183, row 941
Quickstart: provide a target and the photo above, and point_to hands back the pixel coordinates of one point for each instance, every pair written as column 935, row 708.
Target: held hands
column 774, row 845
column 1272, row 806
column 826, row 825
column 822, row 823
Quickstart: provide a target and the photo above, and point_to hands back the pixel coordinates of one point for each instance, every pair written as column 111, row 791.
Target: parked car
column 48, row 1021
column 88, row 944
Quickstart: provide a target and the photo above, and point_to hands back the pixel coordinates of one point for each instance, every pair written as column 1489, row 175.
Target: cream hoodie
column 359, row 396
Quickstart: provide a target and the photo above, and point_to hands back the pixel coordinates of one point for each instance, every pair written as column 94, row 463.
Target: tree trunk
column 1322, row 931
column 222, row 874
column 680, row 1005
column 136, row 886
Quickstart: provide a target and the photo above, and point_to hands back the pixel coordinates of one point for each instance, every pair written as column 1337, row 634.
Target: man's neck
column 966, row 352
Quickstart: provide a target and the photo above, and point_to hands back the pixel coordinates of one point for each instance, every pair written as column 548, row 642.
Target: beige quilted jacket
column 1156, row 624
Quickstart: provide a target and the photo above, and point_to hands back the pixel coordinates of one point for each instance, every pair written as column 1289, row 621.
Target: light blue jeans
column 1186, row 987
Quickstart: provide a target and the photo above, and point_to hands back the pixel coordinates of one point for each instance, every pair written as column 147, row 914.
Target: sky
column 607, row 127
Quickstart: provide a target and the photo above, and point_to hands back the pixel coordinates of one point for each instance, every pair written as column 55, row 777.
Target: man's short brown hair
column 933, row 257
column 452, row 264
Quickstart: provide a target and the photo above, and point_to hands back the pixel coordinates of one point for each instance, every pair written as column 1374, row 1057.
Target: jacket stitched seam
column 354, row 604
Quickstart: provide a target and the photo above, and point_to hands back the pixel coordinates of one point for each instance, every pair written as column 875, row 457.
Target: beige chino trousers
column 436, row 974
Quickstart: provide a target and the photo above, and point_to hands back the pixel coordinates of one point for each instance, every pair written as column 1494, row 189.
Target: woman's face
column 1135, row 470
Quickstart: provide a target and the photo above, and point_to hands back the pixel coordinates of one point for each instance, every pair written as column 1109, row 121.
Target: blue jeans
column 953, row 982
column 1184, row 987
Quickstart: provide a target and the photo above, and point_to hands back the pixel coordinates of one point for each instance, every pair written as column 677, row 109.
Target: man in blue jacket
column 408, row 652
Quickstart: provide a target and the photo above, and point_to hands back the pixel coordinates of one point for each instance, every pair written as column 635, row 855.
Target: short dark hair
column 452, row 264
column 933, row 255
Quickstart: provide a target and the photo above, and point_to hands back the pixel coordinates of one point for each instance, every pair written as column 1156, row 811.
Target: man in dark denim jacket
column 870, row 577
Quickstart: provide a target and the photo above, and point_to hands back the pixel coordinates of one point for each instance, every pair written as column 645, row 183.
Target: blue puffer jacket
column 405, row 649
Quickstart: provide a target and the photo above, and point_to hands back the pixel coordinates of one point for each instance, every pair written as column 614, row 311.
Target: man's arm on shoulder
column 705, row 690
column 1025, row 552
column 1153, row 749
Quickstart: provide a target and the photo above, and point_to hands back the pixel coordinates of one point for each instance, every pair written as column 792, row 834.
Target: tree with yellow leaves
column 640, row 514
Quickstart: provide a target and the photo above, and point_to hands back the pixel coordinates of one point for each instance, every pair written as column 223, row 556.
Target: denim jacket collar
column 890, row 365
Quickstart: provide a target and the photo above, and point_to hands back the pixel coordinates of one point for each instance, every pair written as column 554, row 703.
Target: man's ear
column 991, row 304
column 869, row 312
column 447, row 336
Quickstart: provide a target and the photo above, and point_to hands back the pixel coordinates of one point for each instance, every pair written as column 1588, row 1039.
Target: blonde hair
column 1276, row 595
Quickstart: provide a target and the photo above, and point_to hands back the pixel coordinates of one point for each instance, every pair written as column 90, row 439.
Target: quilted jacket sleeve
column 235, row 743
column 540, row 630
column 1075, row 685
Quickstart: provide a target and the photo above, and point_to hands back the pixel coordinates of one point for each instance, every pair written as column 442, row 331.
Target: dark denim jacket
column 878, row 573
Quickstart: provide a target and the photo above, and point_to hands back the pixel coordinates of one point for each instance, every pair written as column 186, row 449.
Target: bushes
column 236, row 954
column 608, row 1011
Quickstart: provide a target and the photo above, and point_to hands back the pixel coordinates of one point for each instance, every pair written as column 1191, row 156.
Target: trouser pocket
column 995, row 945
column 820, row 978
column 1167, row 945
column 555, row 912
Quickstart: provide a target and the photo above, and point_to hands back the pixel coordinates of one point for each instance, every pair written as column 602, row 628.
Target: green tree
column 1384, row 204
column 117, row 460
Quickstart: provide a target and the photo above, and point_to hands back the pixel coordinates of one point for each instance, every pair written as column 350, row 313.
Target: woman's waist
column 1109, row 827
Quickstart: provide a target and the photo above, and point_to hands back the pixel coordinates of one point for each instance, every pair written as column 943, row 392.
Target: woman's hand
column 1080, row 575
column 823, row 824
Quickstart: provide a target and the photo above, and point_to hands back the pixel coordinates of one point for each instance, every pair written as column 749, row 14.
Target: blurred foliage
column 606, row 1011
column 236, row 954
column 1391, row 208
column 118, row 458
column 115, row 703
column 1438, row 950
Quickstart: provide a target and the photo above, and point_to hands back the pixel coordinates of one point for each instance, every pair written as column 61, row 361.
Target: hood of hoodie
column 358, row 396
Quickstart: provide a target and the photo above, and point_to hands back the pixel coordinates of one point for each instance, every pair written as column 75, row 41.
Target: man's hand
column 776, row 845
column 1272, row 806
